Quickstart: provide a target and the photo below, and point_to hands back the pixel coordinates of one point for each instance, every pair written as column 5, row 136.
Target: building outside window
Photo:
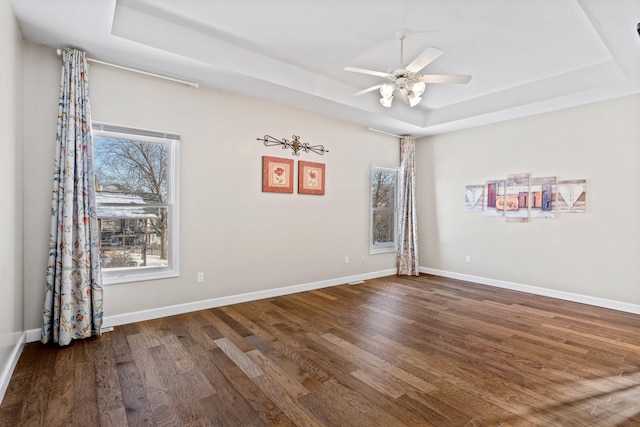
column 137, row 202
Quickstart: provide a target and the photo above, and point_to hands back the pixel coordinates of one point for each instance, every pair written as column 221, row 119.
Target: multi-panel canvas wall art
column 572, row 196
column 543, row 197
column 494, row 198
column 520, row 197
column 516, row 201
column 473, row 200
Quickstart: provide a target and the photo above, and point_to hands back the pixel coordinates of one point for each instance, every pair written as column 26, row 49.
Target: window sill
column 114, row 278
column 373, row 251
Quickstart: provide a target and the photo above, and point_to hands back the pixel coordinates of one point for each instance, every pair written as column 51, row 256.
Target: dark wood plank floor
column 396, row 351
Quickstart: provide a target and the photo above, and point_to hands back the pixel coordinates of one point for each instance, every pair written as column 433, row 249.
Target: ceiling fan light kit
column 418, row 88
column 407, row 81
column 386, row 102
column 414, row 99
column 387, row 89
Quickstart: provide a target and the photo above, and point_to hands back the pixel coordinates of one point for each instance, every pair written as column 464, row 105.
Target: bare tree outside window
column 133, row 194
column 136, row 169
column 383, row 209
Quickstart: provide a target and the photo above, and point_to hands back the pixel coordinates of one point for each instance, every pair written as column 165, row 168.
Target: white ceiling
column 526, row 57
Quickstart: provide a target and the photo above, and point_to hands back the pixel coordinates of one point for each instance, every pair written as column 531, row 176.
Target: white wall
column 594, row 253
column 11, row 307
column 242, row 239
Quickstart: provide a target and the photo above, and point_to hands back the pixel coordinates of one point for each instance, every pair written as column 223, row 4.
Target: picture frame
column 572, row 196
column 473, row 198
column 543, row 197
column 516, row 201
column 277, row 175
column 493, row 203
column 311, row 178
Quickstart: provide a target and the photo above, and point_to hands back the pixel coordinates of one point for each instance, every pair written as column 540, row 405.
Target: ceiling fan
column 407, row 81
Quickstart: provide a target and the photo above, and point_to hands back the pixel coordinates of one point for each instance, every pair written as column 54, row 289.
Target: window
column 384, row 190
column 137, row 202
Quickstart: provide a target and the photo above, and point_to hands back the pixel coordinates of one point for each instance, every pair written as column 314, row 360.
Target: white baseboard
column 155, row 313
column 139, row 316
column 568, row 296
column 8, row 369
column 32, row 335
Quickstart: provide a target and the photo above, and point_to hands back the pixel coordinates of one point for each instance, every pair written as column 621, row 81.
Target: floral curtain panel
column 407, row 258
column 73, row 299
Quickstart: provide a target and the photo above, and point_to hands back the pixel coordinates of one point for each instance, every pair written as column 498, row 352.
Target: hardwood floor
column 396, row 351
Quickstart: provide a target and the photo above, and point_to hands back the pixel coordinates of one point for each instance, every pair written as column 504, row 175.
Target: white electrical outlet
column 200, row 278
column 468, row 258
column 346, row 259
column 362, row 258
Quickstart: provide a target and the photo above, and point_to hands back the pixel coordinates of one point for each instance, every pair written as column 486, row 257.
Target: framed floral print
column 310, row 178
column 277, row 175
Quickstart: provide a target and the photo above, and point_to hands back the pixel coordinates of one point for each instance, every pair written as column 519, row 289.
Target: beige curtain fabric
column 73, row 298
column 407, row 258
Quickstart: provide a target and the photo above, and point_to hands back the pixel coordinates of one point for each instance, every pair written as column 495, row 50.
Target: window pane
column 383, row 208
column 133, row 237
column 383, row 189
column 383, row 228
column 125, row 167
column 137, row 203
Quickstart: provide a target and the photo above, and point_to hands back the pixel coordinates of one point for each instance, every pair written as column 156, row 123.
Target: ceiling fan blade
column 367, row 90
column 444, row 78
column 429, row 55
column 370, row 72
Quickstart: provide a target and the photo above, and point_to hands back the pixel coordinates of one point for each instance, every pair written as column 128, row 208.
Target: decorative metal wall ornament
column 294, row 144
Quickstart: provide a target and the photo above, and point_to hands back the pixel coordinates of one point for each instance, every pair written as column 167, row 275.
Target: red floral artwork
column 311, row 178
column 277, row 175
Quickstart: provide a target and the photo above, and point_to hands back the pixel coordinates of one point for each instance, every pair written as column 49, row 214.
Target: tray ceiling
column 525, row 57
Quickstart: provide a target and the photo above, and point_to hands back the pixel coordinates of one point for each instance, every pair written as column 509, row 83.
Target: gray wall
column 242, row 239
column 11, row 306
column 247, row 241
column 594, row 253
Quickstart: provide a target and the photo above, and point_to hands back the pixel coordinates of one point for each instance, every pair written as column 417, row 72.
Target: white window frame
column 391, row 246
column 172, row 141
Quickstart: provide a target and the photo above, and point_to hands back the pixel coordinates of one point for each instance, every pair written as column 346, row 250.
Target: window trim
column 172, row 140
column 387, row 248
